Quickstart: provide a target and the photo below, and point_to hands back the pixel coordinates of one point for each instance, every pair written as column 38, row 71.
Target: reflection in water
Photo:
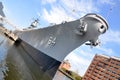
column 17, row 64
column 1, row 42
column 18, row 70
column 3, row 53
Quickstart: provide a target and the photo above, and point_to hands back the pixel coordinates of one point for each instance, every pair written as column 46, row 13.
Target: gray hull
column 45, row 63
column 59, row 40
column 54, row 43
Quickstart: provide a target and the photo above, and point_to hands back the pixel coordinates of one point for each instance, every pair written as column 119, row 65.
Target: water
column 16, row 64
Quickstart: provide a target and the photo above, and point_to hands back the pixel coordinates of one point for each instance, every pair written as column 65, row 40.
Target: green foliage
column 78, row 78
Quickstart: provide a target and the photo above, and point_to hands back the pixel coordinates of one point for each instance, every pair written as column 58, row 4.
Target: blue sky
column 22, row 12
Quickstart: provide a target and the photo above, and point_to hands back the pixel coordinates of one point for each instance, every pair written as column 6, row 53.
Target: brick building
column 103, row 68
column 65, row 64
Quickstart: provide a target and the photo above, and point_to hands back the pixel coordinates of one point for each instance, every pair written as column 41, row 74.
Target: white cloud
column 47, row 1
column 67, row 10
column 56, row 15
column 111, row 37
column 111, row 2
column 107, row 51
column 80, row 7
column 85, row 51
column 78, row 63
column 64, row 11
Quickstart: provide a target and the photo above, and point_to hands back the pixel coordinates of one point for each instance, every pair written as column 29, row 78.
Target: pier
column 8, row 33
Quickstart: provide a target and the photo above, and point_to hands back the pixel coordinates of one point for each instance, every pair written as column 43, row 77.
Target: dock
column 8, row 33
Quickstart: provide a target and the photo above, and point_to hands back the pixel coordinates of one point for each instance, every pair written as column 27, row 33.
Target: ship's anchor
column 81, row 30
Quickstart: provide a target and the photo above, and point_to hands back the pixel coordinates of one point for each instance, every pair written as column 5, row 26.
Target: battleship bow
column 55, row 42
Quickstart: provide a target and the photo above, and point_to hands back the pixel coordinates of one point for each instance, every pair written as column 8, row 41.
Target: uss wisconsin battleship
column 49, row 46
